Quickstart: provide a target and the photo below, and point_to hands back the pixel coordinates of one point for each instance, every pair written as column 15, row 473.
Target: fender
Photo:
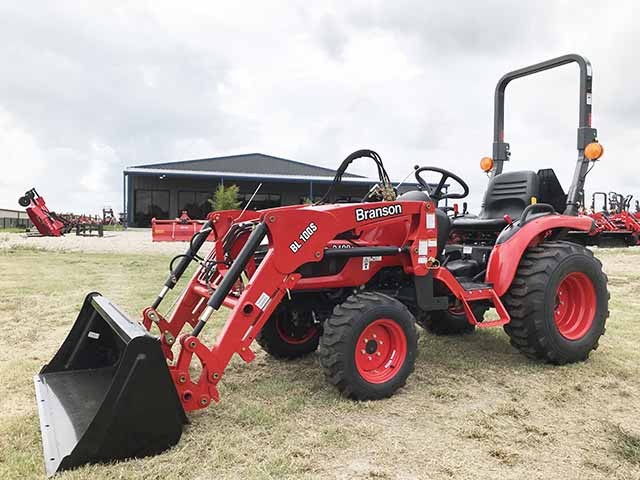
column 506, row 255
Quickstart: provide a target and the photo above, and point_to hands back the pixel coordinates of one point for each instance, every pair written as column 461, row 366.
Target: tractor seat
column 507, row 194
column 468, row 223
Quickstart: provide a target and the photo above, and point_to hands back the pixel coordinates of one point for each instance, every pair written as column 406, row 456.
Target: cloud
column 20, row 152
column 93, row 88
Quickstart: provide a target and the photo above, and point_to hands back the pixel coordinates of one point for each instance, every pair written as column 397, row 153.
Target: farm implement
column 348, row 280
column 47, row 222
column 181, row 229
column 51, row 224
column 616, row 225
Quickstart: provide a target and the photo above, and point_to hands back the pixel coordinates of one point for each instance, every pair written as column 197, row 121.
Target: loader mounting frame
column 296, row 236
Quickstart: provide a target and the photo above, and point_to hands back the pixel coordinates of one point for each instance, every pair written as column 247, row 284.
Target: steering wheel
column 436, row 192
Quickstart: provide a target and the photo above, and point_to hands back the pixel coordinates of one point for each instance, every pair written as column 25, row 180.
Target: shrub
column 225, row 198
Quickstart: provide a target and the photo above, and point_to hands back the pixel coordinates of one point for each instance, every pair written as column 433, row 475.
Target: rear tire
column 289, row 333
column 558, row 303
column 452, row 321
column 369, row 346
column 24, row 201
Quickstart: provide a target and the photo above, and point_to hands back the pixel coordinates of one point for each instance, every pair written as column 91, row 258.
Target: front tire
column 558, row 303
column 369, row 346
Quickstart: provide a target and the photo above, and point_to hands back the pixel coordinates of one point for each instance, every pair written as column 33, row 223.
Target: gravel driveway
column 129, row 241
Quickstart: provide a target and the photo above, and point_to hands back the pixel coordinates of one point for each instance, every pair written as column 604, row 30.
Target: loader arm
column 296, row 236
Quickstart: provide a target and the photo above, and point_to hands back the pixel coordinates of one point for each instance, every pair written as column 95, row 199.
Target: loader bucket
column 107, row 393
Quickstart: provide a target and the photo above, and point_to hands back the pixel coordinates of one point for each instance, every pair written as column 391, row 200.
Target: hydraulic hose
column 196, row 243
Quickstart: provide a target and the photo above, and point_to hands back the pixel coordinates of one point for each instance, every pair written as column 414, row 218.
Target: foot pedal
column 484, row 292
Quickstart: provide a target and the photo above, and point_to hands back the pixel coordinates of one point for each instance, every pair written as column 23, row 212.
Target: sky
column 88, row 88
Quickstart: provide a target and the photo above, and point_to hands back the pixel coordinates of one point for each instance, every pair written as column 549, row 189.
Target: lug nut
column 203, row 401
column 362, row 351
column 369, row 357
column 182, row 378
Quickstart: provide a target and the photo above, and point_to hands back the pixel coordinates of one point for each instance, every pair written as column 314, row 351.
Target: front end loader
column 349, row 280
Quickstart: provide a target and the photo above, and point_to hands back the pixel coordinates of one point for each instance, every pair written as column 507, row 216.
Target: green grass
column 113, row 228
column 473, row 408
column 628, row 446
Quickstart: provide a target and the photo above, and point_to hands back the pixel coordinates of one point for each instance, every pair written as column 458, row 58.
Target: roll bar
column 586, row 134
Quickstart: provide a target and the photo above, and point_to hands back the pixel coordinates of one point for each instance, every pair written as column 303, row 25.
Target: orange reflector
column 593, row 151
column 486, row 164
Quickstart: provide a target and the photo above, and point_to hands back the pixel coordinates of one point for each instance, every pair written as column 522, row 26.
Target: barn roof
column 248, row 163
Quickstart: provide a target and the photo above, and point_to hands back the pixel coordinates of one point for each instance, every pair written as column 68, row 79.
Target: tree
column 226, row 198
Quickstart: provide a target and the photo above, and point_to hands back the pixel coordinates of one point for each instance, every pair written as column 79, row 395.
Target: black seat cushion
column 507, row 194
column 478, row 224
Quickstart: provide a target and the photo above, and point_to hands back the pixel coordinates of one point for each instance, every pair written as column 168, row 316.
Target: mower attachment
column 180, row 229
column 107, row 393
column 48, row 223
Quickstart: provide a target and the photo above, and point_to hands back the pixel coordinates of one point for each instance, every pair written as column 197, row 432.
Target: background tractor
column 348, row 280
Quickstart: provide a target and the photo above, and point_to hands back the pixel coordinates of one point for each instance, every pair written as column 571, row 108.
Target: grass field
column 12, row 230
column 474, row 408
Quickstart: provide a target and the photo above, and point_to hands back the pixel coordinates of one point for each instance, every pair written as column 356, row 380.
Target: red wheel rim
column 575, row 306
column 381, row 351
column 294, row 338
column 457, row 309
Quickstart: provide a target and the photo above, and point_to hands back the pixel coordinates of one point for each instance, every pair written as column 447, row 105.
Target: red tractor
column 348, row 280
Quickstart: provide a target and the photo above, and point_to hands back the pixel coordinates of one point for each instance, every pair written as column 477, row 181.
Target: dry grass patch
column 474, row 408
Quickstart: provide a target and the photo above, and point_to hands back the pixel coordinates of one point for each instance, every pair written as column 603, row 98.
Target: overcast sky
column 88, row 88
